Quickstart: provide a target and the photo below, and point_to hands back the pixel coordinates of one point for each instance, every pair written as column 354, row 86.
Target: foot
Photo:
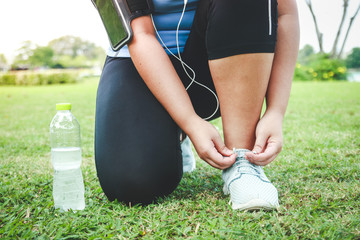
column 248, row 186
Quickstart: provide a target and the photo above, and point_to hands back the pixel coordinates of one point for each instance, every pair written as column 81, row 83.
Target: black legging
column 137, row 148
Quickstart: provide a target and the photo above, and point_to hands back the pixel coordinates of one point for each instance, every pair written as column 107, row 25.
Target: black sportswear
column 137, row 149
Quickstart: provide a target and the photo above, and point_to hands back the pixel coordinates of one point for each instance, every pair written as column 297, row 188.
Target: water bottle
column 68, row 184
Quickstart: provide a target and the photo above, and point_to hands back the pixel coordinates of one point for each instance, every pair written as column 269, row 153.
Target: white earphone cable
column 183, row 64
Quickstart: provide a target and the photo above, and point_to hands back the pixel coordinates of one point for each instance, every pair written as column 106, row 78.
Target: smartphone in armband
column 117, row 15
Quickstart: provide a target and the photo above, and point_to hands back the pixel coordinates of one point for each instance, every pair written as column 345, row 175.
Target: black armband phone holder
column 117, row 15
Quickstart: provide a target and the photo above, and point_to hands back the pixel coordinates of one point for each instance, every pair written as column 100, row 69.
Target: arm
column 287, row 48
column 159, row 75
column 157, row 71
column 269, row 138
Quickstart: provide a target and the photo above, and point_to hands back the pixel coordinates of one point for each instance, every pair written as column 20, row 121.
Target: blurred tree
column 67, row 45
column 353, row 59
column 305, row 53
column 21, row 60
column 64, row 52
column 335, row 53
column 3, row 62
column 41, row 57
column 75, row 46
column 3, row 59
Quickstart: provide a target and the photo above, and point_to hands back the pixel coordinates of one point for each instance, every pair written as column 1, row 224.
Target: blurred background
column 47, row 35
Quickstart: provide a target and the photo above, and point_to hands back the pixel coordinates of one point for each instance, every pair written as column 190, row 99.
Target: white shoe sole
column 254, row 204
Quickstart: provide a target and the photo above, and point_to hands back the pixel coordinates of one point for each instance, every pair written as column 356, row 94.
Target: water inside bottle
column 68, row 185
column 68, row 190
column 66, row 158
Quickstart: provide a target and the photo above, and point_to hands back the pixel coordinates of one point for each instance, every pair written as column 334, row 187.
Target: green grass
column 317, row 175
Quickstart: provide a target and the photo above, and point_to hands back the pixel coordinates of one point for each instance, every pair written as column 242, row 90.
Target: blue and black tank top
column 166, row 17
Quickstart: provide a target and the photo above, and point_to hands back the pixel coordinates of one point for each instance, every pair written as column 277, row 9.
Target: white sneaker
column 248, row 186
column 189, row 162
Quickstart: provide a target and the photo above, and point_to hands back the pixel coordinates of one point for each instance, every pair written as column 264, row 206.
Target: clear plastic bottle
column 68, row 185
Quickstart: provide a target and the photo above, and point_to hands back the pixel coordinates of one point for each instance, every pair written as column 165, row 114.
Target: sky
column 41, row 21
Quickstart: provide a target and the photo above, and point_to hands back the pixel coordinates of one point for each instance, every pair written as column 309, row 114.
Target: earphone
column 183, row 64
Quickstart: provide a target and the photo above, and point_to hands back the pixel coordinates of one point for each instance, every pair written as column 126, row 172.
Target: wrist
column 276, row 113
column 190, row 125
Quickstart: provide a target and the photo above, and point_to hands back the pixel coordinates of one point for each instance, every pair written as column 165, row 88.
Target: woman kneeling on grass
column 243, row 51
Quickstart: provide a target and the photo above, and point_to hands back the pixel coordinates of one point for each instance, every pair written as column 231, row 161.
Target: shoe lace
column 245, row 167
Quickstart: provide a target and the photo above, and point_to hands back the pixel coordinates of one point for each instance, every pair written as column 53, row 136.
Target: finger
column 229, row 161
column 211, row 163
column 260, row 143
column 271, row 151
column 220, row 166
column 219, row 160
column 266, row 162
column 267, row 154
column 220, row 147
